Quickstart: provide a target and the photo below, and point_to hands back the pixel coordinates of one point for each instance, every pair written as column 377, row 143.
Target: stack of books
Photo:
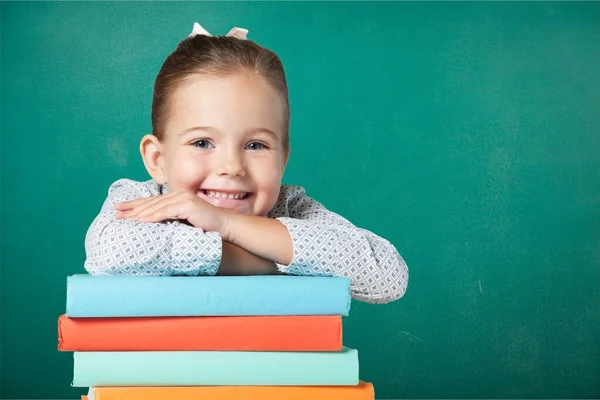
column 251, row 337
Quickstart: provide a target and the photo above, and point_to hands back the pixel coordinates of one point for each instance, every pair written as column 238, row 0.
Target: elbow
column 95, row 263
column 105, row 257
column 92, row 267
column 400, row 278
column 99, row 261
column 96, row 260
column 396, row 283
column 388, row 278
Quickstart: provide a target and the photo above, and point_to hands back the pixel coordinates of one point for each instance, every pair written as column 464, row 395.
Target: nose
column 232, row 165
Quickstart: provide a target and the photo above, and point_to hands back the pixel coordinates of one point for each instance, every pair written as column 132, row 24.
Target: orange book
column 243, row 333
column 363, row 391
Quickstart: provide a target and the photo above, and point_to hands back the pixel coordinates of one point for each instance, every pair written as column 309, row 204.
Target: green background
column 465, row 133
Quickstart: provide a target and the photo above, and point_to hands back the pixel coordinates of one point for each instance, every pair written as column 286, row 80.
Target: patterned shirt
column 324, row 244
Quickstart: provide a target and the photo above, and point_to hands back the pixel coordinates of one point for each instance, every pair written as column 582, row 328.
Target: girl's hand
column 182, row 204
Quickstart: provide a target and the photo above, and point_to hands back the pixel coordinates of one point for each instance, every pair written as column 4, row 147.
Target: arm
column 237, row 261
column 266, row 237
column 125, row 247
column 310, row 240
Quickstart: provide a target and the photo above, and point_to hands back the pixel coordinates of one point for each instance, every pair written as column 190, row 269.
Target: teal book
column 155, row 296
column 215, row 368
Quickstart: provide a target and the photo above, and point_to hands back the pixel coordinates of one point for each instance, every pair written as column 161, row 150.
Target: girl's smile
column 232, row 200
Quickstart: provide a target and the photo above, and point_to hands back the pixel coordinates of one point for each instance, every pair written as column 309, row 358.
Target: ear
column 152, row 154
column 286, row 156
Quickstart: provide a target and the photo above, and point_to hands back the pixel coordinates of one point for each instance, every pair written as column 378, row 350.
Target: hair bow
column 239, row 33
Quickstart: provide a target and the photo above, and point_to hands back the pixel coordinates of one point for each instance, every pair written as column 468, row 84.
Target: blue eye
column 202, row 144
column 256, row 146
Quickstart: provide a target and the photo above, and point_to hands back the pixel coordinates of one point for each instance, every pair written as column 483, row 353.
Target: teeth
column 221, row 195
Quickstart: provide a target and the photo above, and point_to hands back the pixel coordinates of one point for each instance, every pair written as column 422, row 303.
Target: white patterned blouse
column 324, row 244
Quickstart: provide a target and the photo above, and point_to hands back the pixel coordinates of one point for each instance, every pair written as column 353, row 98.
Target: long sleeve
column 326, row 244
column 123, row 247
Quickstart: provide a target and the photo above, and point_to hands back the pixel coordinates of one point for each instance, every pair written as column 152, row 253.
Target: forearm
column 264, row 237
column 238, row 261
column 119, row 247
column 125, row 247
column 377, row 272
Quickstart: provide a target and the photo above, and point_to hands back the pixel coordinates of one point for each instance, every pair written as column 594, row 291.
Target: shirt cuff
column 196, row 252
column 213, row 261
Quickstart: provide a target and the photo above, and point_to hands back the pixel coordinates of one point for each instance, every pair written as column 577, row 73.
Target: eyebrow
column 213, row 130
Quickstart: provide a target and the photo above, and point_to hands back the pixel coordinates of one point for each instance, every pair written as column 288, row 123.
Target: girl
column 215, row 204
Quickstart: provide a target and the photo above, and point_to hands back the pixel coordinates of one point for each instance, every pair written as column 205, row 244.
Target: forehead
column 231, row 103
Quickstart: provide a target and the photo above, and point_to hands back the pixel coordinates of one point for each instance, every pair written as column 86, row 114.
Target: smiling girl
column 215, row 204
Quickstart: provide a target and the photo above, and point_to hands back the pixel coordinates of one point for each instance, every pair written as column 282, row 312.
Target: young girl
column 215, row 204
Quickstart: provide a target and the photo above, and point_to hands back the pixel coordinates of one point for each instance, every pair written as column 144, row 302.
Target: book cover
column 154, row 296
column 215, row 368
column 241, row 333
column 362, row 391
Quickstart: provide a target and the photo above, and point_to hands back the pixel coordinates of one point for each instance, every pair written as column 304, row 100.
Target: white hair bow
column 239, row 33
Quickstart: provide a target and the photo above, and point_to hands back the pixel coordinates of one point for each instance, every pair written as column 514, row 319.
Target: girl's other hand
column 181, row 204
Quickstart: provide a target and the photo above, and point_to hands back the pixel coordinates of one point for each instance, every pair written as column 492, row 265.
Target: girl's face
column 224, row 141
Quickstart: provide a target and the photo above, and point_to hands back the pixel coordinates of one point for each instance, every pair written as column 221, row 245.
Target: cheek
column 185, row 171
column 268, row 173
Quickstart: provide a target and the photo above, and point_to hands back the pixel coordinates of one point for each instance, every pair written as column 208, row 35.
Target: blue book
column 163, row 296
column 215, row 368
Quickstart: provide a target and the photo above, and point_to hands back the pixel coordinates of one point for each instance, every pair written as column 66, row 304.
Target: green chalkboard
column 465, row 133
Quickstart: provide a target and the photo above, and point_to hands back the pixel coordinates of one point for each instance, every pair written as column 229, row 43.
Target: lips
column 238, row 201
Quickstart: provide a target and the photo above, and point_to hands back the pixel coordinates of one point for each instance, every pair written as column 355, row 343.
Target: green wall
column 465, row 133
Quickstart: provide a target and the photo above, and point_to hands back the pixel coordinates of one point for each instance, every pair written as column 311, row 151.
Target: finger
column 163, row 208
column 123, row 214
column 173, row 209
column 140, row 208
column 166, row 212
column 122, row 206
column 127, row 205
